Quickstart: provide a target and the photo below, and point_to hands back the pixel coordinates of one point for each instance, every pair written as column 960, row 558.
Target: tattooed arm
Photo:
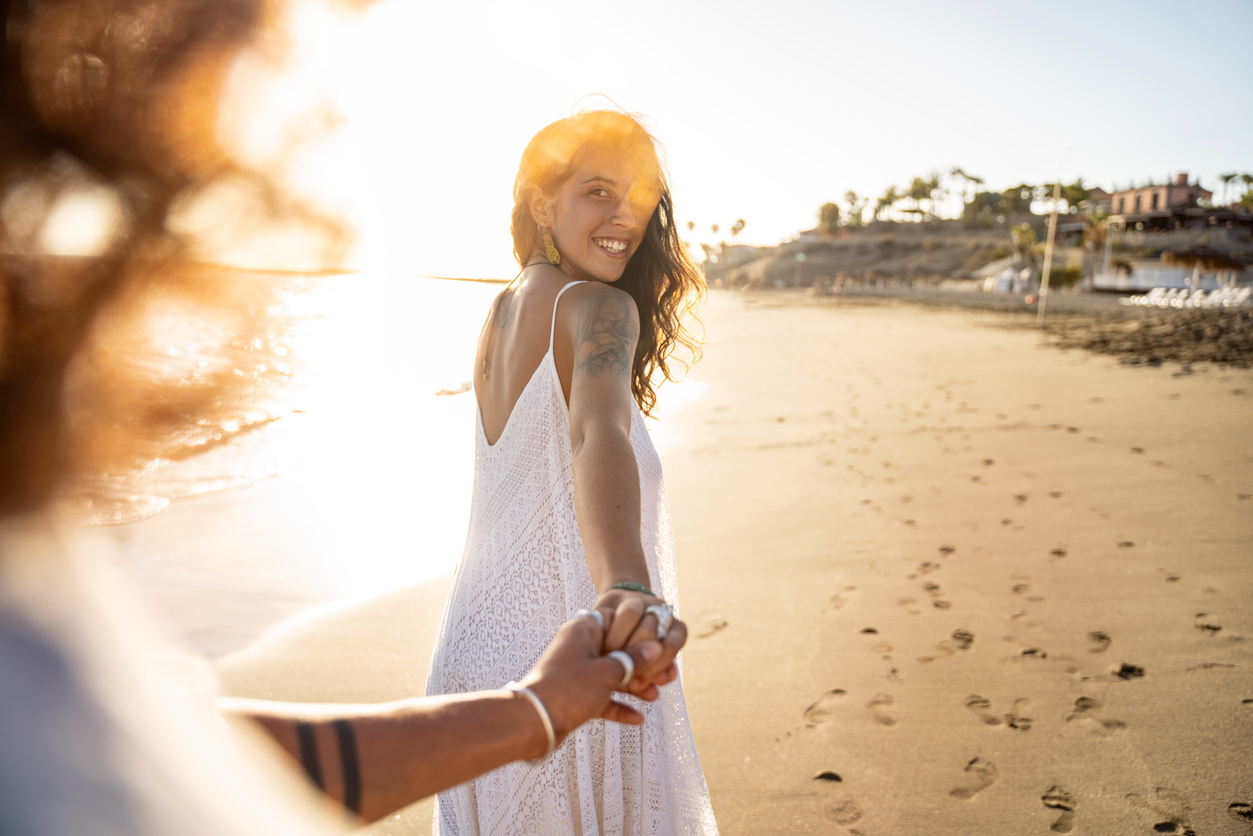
column 604, row 331
column 606, row 481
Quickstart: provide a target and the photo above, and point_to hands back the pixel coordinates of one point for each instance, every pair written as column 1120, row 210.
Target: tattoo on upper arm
column 606, row 337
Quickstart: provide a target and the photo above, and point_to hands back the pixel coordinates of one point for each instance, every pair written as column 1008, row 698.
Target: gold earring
column 550, row 250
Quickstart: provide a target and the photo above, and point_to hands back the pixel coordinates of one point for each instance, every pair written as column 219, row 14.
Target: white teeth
column 612, row 246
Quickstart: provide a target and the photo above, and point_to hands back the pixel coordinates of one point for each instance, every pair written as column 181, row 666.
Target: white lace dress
column 522, row 575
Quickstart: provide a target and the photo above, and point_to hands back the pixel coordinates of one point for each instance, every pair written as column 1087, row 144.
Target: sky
column 765, row 111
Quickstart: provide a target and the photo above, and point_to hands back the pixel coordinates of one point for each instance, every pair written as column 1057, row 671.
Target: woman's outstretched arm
column 604, row 326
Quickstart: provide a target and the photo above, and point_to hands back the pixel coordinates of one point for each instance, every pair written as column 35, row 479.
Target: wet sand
column 942, row 577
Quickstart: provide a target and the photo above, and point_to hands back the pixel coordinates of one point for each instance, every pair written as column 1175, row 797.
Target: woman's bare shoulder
column 588, row 298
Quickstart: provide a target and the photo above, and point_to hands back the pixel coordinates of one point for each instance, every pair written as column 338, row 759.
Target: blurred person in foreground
column 569, row 508
column 104, row 726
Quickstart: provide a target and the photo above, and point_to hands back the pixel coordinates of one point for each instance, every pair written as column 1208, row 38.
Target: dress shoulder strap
column 552, row 328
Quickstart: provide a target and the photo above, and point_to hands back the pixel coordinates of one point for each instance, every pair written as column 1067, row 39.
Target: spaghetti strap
column 552, row 328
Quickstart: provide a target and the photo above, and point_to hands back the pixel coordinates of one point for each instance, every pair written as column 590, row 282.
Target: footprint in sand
column 1056, row 798
column 927, row 567
column 961, row 640
column 1020, row 498
column 713, row 626
column 910, row 605
column 1241, row 811
column 1023, row 587
column 844, row 811
column 932, row 588
column 946, row 550
column 878, row 709
column 1100, row 641
column 841, row 598
column 821, row 710
column 985, row 776
column 1172, row 805
column 982, row 706
column 1016, row 718
column 1206, row 624
column 1171, row 577
column 1085, row 713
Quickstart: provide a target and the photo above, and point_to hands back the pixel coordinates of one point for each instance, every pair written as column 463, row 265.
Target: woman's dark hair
column 660, row 277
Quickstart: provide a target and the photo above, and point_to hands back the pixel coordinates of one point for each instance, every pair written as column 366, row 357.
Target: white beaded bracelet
column 543, row 716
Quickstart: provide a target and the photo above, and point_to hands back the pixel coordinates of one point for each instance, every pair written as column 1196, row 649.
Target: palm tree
column 1227, row 178
column 889, row 198
column 919, row 190
column 934, row 187
column 828, row 218
column 957, row 173
column 1074, row 194
column 855, row 206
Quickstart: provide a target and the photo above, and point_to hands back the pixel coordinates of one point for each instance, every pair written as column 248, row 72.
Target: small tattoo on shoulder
column 507, row 309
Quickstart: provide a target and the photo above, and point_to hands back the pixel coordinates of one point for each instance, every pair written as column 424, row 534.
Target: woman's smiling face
column 599, row 214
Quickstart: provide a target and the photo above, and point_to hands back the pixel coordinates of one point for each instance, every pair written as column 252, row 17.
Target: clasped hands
column 576, row 680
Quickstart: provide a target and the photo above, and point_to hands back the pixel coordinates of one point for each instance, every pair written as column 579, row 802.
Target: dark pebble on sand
column 1129, row 671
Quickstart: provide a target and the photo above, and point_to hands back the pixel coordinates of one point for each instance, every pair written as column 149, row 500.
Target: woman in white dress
column 569, row 509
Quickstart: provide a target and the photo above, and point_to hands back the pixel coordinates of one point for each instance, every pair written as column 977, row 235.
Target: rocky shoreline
column 1188, row 336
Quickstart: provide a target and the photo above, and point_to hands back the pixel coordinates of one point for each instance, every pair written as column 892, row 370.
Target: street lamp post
column 1048, row 254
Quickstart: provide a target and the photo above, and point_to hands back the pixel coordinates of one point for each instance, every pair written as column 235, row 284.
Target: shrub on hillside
column 1065, row 276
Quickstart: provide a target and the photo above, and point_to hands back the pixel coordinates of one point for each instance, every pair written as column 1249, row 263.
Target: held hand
column 576, row 683
column 628, row 626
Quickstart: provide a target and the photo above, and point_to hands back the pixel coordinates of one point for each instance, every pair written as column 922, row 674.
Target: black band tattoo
column 349, row 764
column 309, row 753
column 606, row 336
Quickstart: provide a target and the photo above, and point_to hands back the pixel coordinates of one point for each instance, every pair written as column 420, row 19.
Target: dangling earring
column 550, row 250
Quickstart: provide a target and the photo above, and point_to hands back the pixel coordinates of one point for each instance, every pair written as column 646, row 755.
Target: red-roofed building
column 1153, row 198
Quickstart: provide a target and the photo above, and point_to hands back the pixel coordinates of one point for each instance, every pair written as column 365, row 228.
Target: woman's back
column 516, row 340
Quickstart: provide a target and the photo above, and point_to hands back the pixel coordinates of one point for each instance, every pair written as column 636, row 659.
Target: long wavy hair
column 660, row 277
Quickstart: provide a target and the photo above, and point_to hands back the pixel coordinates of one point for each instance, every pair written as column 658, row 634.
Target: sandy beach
column 942, row 578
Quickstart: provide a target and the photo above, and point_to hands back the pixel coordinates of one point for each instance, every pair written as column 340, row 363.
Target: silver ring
column 627, row 662
column 596, row 614
column 665, row 617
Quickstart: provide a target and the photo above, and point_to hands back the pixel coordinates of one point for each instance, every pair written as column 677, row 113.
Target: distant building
column 1152, row 198
column 1099, row 198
